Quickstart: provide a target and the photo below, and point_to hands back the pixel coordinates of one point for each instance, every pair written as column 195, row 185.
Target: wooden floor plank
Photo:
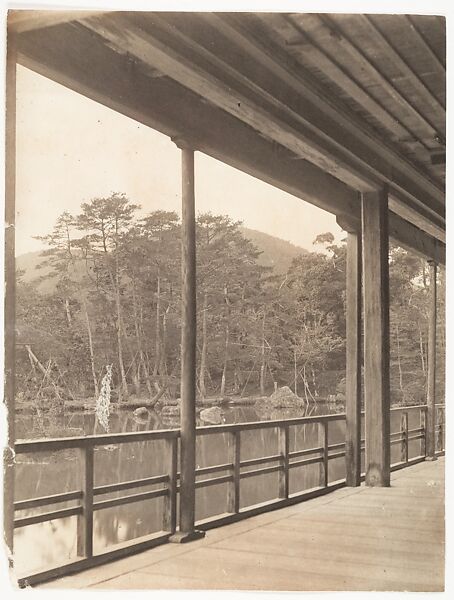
column 233, row 565
column 384, row 539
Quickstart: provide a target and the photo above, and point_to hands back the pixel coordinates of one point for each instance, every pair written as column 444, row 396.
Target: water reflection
column 43, row 545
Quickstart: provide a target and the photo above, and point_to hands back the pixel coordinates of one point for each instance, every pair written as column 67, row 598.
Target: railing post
column 440, row 429
column 404, row 436
column 422, row 424
column 187, row 530
column 374, row 220
column 284, row 452
column 85, row 520
column 170, row 501
column 233, row 494
column 323, row 443
column 431, row 363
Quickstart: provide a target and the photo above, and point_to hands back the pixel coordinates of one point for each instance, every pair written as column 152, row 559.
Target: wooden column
column 188, row 350
column 376, row 336
column 10, row 295
column 353, row 366
column 431, row 364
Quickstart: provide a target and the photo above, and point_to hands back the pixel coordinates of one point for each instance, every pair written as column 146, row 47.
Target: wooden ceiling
column 327, row 105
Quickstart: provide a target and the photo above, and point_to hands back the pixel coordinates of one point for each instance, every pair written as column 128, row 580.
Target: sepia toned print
column 225, row 300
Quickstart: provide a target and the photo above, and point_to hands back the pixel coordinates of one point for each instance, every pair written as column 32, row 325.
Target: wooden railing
column 405, row 435
column 88, row 493
column 238, row 469
column 282, row 463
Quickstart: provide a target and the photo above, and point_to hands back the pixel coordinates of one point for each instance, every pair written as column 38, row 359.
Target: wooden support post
column 170, row 504
column 233, row 494
column 85, row 520
column 376, row 336
column 353, row 367
column 10, row 295
column 188, row 349
column 284, row 471
column 431, row 363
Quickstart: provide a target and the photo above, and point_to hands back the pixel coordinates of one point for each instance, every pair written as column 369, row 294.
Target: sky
column 71, row 149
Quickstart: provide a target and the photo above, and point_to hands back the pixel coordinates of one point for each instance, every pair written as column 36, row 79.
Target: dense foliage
column 116, row 301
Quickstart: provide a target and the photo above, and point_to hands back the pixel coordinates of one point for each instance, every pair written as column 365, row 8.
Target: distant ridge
column 276, row 253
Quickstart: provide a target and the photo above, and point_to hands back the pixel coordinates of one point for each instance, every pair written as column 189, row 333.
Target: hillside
column 276, row 253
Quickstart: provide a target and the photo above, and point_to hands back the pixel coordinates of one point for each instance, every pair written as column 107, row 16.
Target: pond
column 44, row 545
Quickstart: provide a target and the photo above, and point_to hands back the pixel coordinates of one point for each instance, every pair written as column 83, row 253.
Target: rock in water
column 213, row 415
column 285, row 398
column 170, row 411
column 141, row 412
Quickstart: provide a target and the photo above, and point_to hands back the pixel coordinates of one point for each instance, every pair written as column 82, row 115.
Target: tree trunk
column 90, row 346
column 142, row 362
column 236, row 381
column 158, row 330
column 314, row 383
column 163, row 362
column 227, row 341
column 124, row 384
column 295, row 372
column 203, row 356
column 421, row 351
column 399, row 363
column 68, row 312
column 263, row 365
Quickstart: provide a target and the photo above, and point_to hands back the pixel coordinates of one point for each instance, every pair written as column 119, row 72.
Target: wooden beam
column 353, row 370
column 10, row 296
column 124, row 34
column 431, row 364
column 299, row 135
column 188, row 350
column 434, row 225
column 302, row 97
column 403, row 234
column 105, row 77
column 376, row 337
column 29, row 20
column 410, row 237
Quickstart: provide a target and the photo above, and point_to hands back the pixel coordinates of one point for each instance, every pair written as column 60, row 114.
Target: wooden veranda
column 346, row 112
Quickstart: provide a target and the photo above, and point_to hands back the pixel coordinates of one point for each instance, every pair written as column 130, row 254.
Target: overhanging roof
column 322, row 106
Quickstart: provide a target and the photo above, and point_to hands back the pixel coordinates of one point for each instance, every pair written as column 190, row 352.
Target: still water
column 44, row 545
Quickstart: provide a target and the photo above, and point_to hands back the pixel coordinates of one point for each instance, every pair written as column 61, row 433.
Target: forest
column 114, row 299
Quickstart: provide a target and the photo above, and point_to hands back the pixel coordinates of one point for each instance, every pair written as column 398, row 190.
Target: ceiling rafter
column 92, row 68
column 344, row 41
column 440, row 66
column 318, row 58
column 331, row 116
column 129, row 35
column 404, row 67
